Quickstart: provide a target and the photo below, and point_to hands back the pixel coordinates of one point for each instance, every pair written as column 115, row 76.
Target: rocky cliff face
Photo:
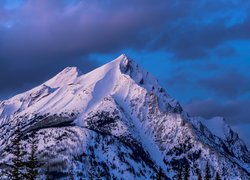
column 117, row 122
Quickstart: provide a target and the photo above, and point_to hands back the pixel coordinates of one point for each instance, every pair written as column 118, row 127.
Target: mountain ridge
column 122, row 103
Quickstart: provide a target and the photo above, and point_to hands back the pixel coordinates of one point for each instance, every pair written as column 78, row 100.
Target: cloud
column 81, row 28
column 188, row 29
column 190, row 41
column 225, row 52
column 235, row 111
column 229, row 84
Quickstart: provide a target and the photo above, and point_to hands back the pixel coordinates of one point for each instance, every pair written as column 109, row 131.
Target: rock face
column 117, row 122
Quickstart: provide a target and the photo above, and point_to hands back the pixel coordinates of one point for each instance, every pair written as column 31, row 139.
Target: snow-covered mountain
column 117, row 122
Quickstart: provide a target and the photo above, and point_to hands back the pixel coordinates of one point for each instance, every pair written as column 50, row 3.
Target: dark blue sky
column 198, row 49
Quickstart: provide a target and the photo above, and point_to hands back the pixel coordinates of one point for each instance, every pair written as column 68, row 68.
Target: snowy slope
column 119, row 112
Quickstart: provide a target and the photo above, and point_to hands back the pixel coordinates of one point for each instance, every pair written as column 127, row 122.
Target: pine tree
column 180, row 171
column 32, row 164
column 71, row 171
column 186, row 173
column 207, row 172
column 18, row 152
column 160, row 175
column 90, row 175
column 47, row 173
column 198, row 174
column 217, row 176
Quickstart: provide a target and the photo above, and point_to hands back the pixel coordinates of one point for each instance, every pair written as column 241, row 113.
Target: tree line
column 183, row 173
column 27, row 168
column 20, row 167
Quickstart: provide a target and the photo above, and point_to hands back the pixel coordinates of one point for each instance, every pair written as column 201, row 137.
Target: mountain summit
column 118, row 122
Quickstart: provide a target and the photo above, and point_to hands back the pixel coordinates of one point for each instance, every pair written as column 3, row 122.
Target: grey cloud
column 226, row 52
column 227, row 84
column 192, row 41
column 108, row 26
column 235, row 111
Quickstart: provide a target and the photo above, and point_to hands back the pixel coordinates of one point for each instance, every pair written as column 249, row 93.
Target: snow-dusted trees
column 71, row 171
column 217, row 176
column 160, row 175
column 179, row 172
column 17, row 151
column 23, row 164
column 183, row 171
column 198, row 174
column 186, row 169
column 207, row 172
column 32, row 164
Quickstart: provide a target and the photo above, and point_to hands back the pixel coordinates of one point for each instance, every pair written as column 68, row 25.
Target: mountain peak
column 121, row 61
column 122, row 57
